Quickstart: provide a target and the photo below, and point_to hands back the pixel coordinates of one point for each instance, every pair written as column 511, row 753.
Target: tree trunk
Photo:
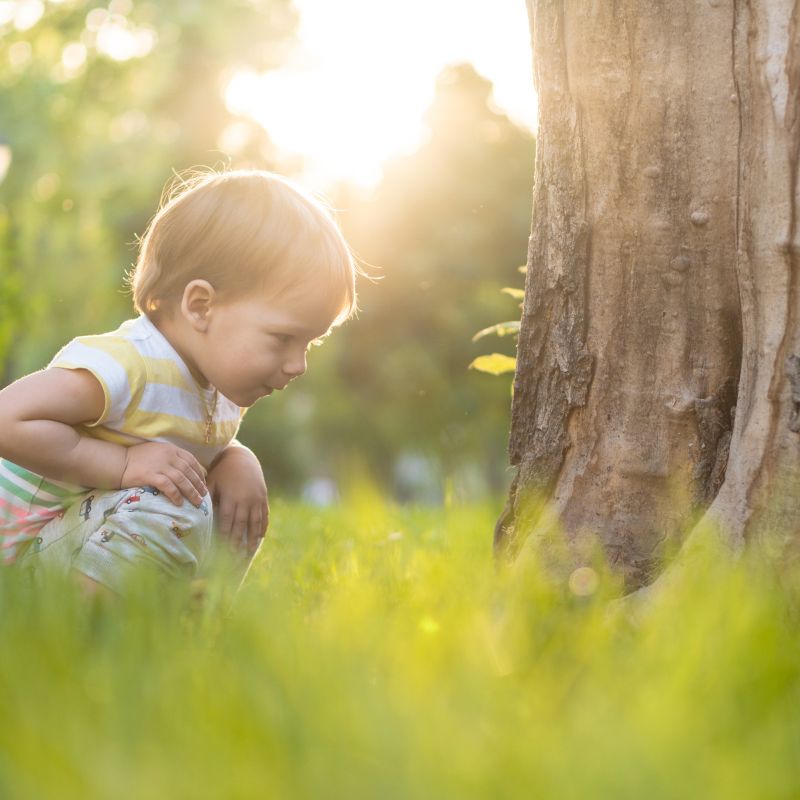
column 658, row 371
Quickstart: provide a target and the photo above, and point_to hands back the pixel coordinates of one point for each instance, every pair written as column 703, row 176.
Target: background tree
column 657, row 372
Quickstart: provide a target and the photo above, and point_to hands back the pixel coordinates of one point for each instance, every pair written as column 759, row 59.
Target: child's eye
column 283, row 338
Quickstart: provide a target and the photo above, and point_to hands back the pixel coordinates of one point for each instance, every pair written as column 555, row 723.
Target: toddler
column 238, row 273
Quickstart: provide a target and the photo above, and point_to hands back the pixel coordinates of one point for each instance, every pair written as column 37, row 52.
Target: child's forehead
column 303, row 312
column 311, row 294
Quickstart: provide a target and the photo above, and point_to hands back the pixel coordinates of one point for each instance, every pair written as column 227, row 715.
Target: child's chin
column 253, row 397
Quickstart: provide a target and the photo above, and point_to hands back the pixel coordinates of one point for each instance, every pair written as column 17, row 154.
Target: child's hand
column 239, row 496
column 173, row 471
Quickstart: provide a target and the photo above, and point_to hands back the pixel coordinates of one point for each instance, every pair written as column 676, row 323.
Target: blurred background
column 415, row 122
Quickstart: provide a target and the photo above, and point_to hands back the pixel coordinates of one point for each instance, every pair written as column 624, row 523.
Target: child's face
column 255, row 345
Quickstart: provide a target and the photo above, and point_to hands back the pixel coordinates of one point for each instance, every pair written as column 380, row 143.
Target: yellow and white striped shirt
column 150, row 395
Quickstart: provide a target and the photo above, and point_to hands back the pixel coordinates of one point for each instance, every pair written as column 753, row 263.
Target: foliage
column 375, row 652
column 494, row 364
column 509, row 328
column 497, row 363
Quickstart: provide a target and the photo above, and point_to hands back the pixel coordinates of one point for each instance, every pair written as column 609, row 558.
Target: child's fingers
column 256, row 527
column 193, row 470
column 233, row 524
column 186, row 488
column 167, row 487
column 224, row 518
column 240, row 525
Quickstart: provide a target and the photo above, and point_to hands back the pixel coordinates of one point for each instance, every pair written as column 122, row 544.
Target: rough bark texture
column 659, row 363
column 759, row 497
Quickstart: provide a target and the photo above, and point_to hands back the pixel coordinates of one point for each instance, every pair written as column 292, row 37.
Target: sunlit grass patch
column 376, row 651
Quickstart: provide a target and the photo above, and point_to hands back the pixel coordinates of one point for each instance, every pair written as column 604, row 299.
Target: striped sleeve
column 117, row 365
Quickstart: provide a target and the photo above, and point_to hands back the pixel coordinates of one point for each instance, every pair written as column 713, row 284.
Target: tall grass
column 375, row 651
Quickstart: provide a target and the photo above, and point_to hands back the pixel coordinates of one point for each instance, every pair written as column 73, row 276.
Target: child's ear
column 196, row 303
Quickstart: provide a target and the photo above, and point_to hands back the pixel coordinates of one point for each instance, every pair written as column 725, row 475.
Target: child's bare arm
column 37, row 415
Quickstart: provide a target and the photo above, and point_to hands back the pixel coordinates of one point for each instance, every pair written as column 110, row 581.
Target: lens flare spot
column 583, row 582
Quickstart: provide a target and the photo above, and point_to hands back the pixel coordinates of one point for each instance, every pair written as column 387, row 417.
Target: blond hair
column 242, row 231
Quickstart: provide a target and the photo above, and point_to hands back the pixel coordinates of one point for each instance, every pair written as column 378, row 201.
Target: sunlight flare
column 346, row 101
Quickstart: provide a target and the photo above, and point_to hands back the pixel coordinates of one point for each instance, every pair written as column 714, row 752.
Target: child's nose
column 295, row 366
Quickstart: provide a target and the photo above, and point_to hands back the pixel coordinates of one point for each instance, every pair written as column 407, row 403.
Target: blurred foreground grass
column 376, row 652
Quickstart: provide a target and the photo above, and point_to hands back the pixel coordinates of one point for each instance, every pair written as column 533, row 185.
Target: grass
column 376, row 652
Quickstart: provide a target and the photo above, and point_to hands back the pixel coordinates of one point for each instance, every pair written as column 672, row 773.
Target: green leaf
column 494, row 364
column 501, row 329
column 517, row 294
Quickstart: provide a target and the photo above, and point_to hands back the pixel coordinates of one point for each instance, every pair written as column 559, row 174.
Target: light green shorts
column 109, row 535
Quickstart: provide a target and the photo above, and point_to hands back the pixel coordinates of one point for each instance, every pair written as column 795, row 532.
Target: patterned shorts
column 108, row 535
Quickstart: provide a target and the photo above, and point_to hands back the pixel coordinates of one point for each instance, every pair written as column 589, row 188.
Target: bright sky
column 354, row 91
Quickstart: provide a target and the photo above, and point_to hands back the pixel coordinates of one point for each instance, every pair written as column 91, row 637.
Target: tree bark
column 658, row 371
